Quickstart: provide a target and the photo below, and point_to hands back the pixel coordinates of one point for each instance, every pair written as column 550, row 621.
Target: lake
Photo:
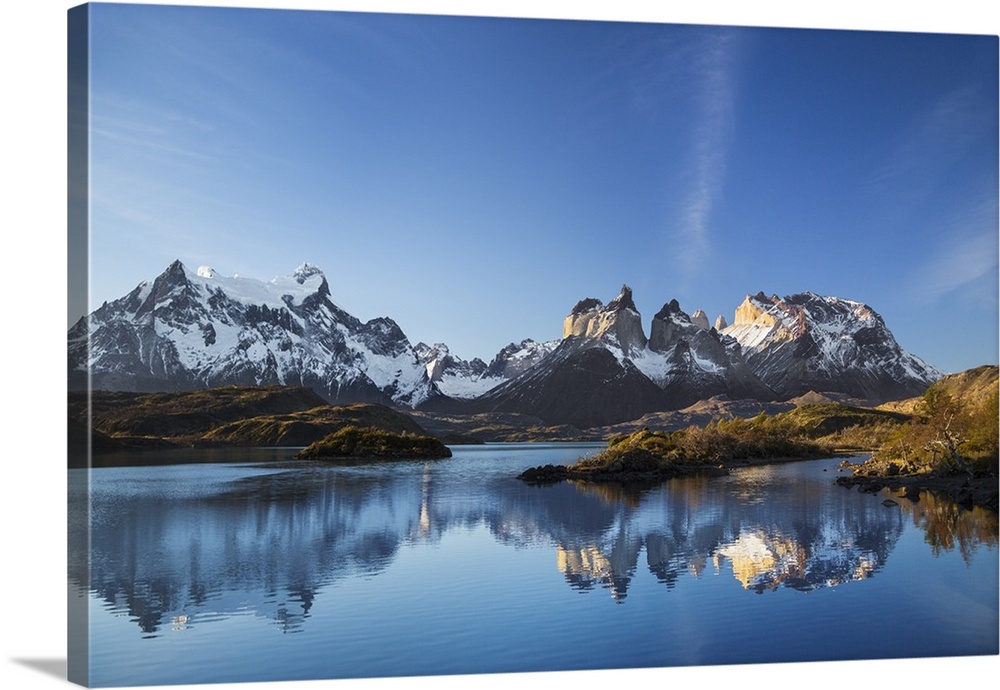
column 275, row 570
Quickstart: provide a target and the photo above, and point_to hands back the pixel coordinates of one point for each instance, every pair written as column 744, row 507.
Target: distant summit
column 306, row 271
column 187, row 330
column 807, row 342
column 700, row 319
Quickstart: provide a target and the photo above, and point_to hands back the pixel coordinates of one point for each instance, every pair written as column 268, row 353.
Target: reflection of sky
column 376, row 550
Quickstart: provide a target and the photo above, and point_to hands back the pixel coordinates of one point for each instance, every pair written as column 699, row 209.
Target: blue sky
column 473, row 178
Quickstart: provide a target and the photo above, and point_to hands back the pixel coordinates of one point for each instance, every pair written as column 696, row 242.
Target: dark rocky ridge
column 578, row 384
column 308, row 426
column 228, row 416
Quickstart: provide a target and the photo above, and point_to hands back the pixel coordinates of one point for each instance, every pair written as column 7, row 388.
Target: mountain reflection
column 767, row 531
column 172, row 556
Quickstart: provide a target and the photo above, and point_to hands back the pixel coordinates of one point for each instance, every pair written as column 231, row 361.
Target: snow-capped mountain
column 808, row 342
column 516, row 358
column 189, row 329
column 583, row 382
column 186, row 330
column 464, row 380
column 606, row 370
column 455, row 377
column 693, row 361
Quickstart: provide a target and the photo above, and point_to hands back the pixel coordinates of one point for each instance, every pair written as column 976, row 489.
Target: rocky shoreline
column 649, row 456
column 551, row 474
column 625, row 474
column 964, row 490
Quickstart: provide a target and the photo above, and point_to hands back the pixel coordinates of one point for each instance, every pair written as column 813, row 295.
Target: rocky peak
column 671, row 308
column 517, row 357
column 173, row 277
column 306, row 271
column 671, row 312
column 700, row 319
column 618, row 323
column 586, row 305
column 427, row 352
column 755, row 309
column 313, row 275
column 700, row 360
column 176, row 268
column 384, row 334
column 622, row 301
column 454, row 376
column 720, row 323
column 172, row 288
column 668, row 325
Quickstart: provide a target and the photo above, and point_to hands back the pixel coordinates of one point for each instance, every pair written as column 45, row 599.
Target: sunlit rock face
column 700, row 319
column 755, row 311
column 809, row 342
column 618, row 323
column 592, row 376
column 606, row 369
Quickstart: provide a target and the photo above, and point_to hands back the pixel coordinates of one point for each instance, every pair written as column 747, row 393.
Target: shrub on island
column 649, row 455
column 369, row 443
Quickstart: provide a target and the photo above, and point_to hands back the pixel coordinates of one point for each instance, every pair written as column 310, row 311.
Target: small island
column 370, row 443
column 711, row 450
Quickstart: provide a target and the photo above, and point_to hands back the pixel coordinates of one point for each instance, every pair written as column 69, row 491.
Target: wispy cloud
column 967, row 256
column 684, row 81
column 929, row 146
column 714, row 101
column 137, row 130
column 919, row 173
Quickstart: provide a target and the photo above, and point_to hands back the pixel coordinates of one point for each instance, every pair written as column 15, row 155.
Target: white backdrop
column 34, row 304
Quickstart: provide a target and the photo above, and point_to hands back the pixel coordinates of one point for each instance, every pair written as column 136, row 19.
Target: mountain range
column 192, row 329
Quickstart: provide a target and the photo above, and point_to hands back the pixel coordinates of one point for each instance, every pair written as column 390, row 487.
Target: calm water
column 243, row 572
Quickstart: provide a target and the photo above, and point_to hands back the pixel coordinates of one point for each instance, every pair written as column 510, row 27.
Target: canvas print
column 418, row 345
